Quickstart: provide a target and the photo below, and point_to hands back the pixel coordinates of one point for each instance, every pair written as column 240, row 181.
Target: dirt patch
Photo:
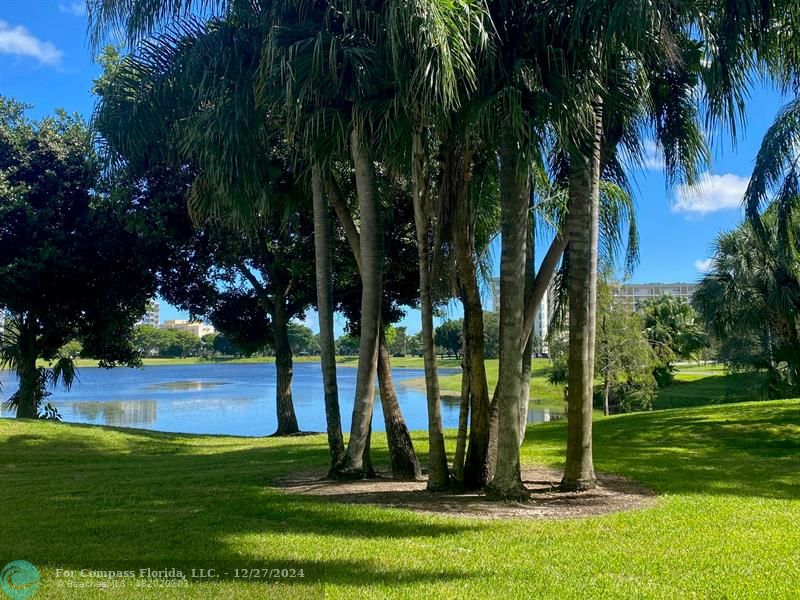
column 613, row 494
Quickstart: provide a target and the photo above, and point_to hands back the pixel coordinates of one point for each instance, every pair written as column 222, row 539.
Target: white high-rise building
column 152, row 316
column 541, row 322
column 633, row 294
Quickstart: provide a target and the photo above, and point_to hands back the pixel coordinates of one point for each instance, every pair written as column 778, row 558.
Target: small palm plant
column 62, row 369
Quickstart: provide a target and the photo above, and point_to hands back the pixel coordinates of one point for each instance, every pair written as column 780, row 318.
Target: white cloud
column 703, row 265
column 653, row 158
column 21, row 42
column 76, row 9
column 711, row 193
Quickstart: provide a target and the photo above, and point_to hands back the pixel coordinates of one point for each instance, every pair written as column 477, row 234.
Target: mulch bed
column 613, row 494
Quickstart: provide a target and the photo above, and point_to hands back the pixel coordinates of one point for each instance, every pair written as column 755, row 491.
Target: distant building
column 153, row 315
column 633, row 294
column 2, row 321
column 541, row 322
column 195, row 327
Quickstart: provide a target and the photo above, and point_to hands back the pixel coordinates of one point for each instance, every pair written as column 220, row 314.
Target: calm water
column 229, row 398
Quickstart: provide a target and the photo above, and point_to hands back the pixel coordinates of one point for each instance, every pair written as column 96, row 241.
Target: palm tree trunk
column 455, row 164
column 582, row 228
column 544, row 276
column 403, row 459
column 438, row 476
column 514, row 204
column 476, row 467
column 287, row 420
column 27, row 401
column 327, row 348
column 463, row 419
column 371, row 238
column 527, row 352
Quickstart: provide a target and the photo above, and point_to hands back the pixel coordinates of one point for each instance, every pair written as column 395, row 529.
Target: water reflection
column 186, row 386
column 121, row 413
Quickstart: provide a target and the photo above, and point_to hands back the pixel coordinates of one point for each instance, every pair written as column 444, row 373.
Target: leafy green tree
column 71, row 349
column 347, row 345
column 71, row 268
column 224, row 346
column 624, row 359
column 491, row 334
column 302, row 340
column 674, row 332
column 449, row 338
column 414, row 345
column 397, row 340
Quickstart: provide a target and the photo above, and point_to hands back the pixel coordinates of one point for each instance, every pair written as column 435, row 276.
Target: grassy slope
column 725, row 525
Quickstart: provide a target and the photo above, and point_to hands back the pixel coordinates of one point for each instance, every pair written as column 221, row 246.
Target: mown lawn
column 725, row 524
column 541, row 389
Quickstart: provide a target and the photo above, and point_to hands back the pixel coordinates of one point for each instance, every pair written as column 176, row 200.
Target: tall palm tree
column 324, row 284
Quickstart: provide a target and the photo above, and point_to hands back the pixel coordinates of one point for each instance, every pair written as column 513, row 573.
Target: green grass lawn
column 724, row 526
column 540, row 388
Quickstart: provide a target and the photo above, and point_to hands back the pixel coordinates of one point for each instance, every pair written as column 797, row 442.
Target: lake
column 234, row 399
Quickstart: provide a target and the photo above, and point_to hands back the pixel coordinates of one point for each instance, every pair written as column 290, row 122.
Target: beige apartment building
column 197, row 328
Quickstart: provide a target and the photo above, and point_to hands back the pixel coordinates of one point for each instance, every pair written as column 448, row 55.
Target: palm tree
column 750, row 300
column 19, row 345
column 324, row 284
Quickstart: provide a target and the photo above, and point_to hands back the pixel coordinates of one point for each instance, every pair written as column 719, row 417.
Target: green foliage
column 624, row 360
column 347, row 345
column 491, row 335
column 674, row 332
column 71, row 349
column 750, row 300
column 414, row 346
column 448, row 337
column 302, row 340
column 65, row 250
column 397, row 340
column 165, row 343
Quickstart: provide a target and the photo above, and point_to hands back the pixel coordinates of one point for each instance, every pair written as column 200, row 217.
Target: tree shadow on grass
column 196, row 506
column 749, row 450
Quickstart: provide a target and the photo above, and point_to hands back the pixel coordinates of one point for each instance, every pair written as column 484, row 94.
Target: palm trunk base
column 577, row 485
column 403, row 460
column 507, row 492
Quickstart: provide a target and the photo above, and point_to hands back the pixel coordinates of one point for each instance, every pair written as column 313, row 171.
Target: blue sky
column 45, row 61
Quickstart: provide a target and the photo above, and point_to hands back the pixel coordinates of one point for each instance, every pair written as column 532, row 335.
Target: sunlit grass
column 725, row 524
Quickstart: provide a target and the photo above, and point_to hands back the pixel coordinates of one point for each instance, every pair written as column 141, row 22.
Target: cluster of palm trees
column 527, row 116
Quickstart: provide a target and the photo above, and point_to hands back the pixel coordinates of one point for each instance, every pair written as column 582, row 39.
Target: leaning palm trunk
column 438, row 477
column 514, row 203
column 402, row 458
column 582, row 228
column 371, row 241
column 287, row 420
column 453, row 193
column 527, row 352
column 463, row 420
column 327, row 349
column 476, row 468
